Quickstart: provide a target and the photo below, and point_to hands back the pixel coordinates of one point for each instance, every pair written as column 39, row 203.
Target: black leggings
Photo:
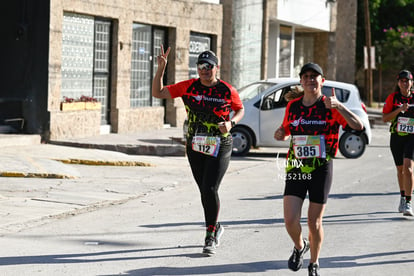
column 208, row 171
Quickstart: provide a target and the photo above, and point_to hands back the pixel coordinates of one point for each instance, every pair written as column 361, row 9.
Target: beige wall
column 180, row 17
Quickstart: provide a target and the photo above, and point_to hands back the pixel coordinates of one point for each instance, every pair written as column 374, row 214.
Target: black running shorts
column 317, row 184
column 402, row 147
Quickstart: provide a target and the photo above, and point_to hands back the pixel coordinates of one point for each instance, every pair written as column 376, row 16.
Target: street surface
column 160, row 231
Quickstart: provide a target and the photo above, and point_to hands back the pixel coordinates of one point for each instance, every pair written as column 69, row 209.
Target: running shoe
column 401, row 207
column 313, row 269
column 219, row 233
column 296, row 259
column 210, row 246
column 408, row 211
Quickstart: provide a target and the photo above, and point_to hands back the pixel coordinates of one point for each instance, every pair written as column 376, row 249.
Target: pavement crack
column 57, row 201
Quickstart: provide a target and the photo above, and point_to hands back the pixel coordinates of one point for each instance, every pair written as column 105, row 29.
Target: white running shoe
column 219, row 233
column 408, row 211
column 401, row 207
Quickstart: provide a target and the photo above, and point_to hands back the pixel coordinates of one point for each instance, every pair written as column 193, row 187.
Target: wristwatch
column 233, row 123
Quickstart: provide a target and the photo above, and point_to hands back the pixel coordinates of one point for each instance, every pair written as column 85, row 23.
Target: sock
column 407, row 199
column 210, row 231
column 402, row 193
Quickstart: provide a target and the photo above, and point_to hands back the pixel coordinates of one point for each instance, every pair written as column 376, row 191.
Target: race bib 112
column 208, row 145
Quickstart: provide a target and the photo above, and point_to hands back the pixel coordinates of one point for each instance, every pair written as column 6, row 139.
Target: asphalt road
column 161, row 232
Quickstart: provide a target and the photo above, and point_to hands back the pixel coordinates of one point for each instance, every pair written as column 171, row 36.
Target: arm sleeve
column 285, row 123
column 178, row 89
column 388, row 105
column 236, row 103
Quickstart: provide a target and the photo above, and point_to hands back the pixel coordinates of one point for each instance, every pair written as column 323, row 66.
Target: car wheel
column 242, row 141
column 352, row 145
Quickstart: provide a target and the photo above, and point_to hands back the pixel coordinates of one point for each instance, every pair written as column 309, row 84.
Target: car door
column 272, row 112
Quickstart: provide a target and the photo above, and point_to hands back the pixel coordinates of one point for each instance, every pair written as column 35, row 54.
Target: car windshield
column 252, row 90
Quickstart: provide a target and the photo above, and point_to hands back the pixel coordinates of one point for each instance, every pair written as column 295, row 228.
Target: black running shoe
column 296, row 259
column 313, row 270
column 210, row 246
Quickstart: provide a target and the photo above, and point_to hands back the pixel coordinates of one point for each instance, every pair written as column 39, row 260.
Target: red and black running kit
column 206, row 107
column 401, row 128
column 314, row 130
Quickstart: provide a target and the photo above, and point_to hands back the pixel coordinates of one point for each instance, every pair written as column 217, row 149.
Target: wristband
column 233, row 123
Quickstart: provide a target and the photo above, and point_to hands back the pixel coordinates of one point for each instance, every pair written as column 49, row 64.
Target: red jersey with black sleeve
column 402, row 124
column 314, row 131
column 206, row 106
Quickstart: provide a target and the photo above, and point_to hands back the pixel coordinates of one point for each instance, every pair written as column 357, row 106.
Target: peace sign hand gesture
column 162, row 58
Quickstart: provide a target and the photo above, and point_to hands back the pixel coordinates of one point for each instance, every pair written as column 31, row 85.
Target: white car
column 265, row 105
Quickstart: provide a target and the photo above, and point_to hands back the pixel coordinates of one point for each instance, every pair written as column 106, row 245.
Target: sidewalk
column 25, row 156
column 40, row 182
column 163, row 142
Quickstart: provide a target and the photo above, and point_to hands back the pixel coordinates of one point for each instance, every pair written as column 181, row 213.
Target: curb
column 105, row 163
column 158, row 150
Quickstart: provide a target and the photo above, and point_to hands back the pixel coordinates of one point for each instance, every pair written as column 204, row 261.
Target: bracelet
column 233, row 123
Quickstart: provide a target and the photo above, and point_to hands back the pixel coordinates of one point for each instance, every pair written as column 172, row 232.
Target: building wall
column 179, row 17
column 332, row 34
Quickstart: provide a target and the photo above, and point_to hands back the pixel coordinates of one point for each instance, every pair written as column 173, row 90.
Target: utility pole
column 368, row 75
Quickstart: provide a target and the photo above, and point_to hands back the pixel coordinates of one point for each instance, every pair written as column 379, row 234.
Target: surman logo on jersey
column 302, row 121
column 208, row 99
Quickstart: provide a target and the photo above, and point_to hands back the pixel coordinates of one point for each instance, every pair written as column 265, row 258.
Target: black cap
column 311, row 66
column 405, row 74
column 209, row 57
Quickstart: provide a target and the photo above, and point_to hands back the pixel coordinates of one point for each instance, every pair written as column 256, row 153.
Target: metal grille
column 140, row 66
column 102, row 43
column 158, row 40
column 101, row 68
column 77, row 55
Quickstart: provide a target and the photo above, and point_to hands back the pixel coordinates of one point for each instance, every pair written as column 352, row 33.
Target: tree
column 391, row 31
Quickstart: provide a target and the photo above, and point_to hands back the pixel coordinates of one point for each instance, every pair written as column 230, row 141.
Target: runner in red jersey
column 209, row 102
column 313, row 121
column 399, row 110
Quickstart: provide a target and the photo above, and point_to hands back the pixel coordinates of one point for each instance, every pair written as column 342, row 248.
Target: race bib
column 307, row 146
column 405, row 125
column 208, row 145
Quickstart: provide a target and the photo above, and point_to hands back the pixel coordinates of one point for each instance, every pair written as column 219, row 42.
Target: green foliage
column 391, row 32
column 397, row 48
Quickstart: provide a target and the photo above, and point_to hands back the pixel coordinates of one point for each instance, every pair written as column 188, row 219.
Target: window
column 77, row 55
column 86, row 59
column 146, row 41
column 341, row 94
column 198, row 44
column 285, row 51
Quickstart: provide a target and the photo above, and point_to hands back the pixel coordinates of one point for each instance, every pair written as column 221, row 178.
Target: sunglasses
column 206, row 66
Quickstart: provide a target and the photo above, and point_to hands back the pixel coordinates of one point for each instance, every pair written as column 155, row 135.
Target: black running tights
column 208, row 171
